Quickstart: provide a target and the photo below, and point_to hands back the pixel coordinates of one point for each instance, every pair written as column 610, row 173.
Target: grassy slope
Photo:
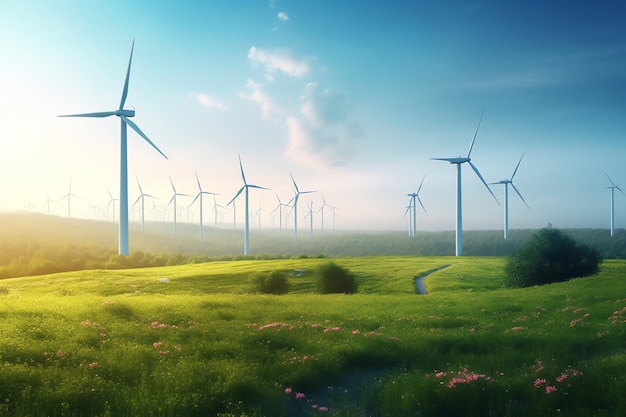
column 125, row 343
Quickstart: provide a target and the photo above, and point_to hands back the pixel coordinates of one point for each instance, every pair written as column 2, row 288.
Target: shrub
column 550, row 256
column 274, row 282
column 332, row 278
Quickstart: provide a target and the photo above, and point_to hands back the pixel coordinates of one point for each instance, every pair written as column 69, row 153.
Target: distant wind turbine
column 124, row 116
column 412, row 205
column 321, row 209
column 111, row 201
column 506, row 197
column 279, row 207
column 141, row 198
column 173, row 200
column 215, row 206
column 47, row 203
column 246, row 187
column 459, row 210
column 199, row 196
column 613, row 187
column 295, row 204
column 69, row 196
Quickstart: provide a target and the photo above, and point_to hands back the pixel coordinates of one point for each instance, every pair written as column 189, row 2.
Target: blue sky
column 352, row 98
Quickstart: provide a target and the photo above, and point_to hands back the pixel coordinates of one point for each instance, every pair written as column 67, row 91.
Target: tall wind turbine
column 412, row 205
column 295, row 204
column 199, row 196
column 141, row 198
column 506, row 197
column 246, row 187
column 173, row 200
column 613, row 187
column 124, row 116
column 458, row 161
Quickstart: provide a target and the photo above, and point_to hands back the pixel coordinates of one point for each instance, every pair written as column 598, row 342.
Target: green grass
column 125, row 343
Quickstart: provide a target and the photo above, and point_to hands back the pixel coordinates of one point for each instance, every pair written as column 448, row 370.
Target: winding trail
column 419, row 281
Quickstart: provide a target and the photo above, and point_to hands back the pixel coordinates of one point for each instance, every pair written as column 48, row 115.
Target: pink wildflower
column 356, row 332
column 93, row 365
column 300, row 396
column 288, row 390
column 157, row 344
column 539, row 382
column 323, row 409
column 550, row 389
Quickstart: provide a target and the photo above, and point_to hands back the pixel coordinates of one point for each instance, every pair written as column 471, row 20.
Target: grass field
column 194, row 341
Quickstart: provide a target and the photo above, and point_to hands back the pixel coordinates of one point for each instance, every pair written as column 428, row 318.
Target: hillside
column 32, row 244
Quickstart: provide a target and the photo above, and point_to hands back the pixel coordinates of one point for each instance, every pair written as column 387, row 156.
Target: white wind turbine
column 459, row 211
column 141, row 198
column 321, row 209
column 215, row 206
column 124, row 116
column 199, row 196
column 295, row 204
column 506, row 197
column 47, row 203
column 173, row 200
column 246, row 187
column 279, row 207
column 111, row 202
column 69, row 196
column 413, row 208
column 613, row 187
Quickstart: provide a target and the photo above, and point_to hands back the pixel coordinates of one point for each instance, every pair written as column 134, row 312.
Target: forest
column 36, row 244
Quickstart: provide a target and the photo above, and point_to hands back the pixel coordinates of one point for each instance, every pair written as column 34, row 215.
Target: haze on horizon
column 352, row 98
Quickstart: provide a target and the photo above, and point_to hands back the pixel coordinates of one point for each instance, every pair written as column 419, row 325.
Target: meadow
column 194, row 340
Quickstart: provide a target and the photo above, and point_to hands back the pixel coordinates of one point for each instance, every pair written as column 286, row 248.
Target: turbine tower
column 141, row 198
column 295, row 204
column 246, row 187
column 412, row 205
column 173, row 199
column 458, row 161
column 124, row 116
column 506, row 197
column 613, row 187
column 199, row 196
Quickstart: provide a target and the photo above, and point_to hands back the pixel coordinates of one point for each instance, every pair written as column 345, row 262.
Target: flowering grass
column 196, row 341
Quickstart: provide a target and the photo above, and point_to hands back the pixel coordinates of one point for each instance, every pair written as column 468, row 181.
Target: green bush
column 332, row 278
column 274, row 282
column 550, row 256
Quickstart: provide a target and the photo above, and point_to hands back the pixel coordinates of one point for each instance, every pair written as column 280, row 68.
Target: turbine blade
column 423, row 208
column 475, row 133
column 139, row 185
column 198, row 181
column 172, row 183
column 257, row 186
column 520, row 195
column 420, row 187
column 194, row 200
column 137, row 201
column 294, row 183
column 515, row 172
column 97, row 114
column 243, row 176
column 125, row 90
column 610, row 180
column 143, row 135
column 236, row 195
column 483, row 181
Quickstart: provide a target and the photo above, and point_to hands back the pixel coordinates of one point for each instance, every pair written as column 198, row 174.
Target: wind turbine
column 279, row 207
column 111, row 201
column 613, row 187
column 173, row 199
column 246, row 187
column 321, row 209
column 124, row 116
column 295, row 204
column 412, row 205
column 199, row 196
column 47, row 203
column 506, row 197
column 215, row 206
column 141, row 198
column 69, row 196
column 459, row 210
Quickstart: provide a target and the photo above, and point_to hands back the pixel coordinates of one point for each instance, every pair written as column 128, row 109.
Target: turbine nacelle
column 459, row 160
column 123, row 112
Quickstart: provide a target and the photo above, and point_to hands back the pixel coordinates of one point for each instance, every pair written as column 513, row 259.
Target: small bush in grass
column 274, row 282
column 550, row 256
column 332, row 278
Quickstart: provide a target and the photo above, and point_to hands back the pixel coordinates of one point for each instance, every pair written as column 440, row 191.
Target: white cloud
column 277, row 60
column 263, row 99
column 283, row 16
column 209, row 102
column 324, row 133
